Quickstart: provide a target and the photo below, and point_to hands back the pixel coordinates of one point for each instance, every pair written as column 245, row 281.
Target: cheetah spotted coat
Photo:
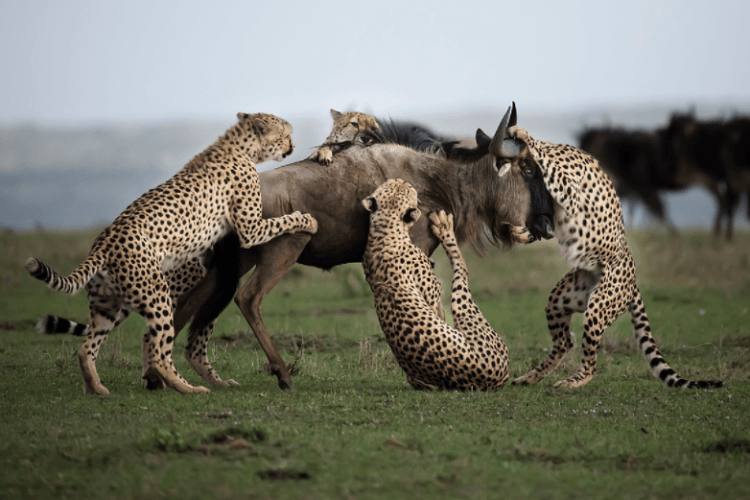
column 148, row 255
column 470, row 355
column 601, row 285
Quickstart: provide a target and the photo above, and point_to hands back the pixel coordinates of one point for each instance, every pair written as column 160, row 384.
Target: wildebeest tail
column 225, row 265
column 658, row 364
column 70, row 284
column 52, row 325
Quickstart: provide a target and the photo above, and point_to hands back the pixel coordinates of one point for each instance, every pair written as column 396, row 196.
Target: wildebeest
column 697, row 149
column 483, row 194
column 736, row 156
column 635, row 162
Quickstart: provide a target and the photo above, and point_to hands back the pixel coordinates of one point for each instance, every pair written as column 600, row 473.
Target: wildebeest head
column 511, row 160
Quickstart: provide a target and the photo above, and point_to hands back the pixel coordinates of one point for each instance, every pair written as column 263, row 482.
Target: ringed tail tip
column 32, row 265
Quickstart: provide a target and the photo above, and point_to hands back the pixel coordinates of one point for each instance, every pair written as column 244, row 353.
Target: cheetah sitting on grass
column 135, row 262
column 590, row 230
column 471, row 356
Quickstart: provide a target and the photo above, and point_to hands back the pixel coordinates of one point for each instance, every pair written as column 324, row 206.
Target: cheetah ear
column 242, row 116
column 370, row 204
column 260, row 125
column 412, row 215
column 335, row 115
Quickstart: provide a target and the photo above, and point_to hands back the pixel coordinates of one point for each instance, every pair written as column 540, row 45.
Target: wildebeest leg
column 570, row 295
column 271, row 261
column 732, row 199
column 653, row 201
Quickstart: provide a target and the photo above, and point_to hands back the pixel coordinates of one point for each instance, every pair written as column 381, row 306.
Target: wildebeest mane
column 408, row 134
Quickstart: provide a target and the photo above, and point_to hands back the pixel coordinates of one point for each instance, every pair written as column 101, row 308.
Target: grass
column 353, row 428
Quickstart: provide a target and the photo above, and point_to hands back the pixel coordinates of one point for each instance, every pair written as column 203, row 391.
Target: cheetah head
column 393, row 203
column 346, row 126
column 274, row 134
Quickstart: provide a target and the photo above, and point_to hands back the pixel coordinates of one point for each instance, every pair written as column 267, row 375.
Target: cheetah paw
column 531, row 378
column 323, row 155
column 442, row 224
column 521, row 234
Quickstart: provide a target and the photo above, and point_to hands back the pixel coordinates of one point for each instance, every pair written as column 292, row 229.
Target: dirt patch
column 729, row 446
column 283, row 475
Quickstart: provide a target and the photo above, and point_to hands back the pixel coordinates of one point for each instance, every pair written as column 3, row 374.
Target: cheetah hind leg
column 149, row 378
column 196, row 354
column 570, row 295
column 101, row 325
column 604, row 306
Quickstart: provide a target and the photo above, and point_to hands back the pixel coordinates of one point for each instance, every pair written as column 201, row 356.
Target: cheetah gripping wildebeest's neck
column 602, row 283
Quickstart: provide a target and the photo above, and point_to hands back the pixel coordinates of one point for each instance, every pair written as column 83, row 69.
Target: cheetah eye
column 354, row 124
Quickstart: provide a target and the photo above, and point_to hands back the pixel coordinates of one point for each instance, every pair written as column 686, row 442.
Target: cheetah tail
column 70, row 284
column 658, row 364
column 52, row 325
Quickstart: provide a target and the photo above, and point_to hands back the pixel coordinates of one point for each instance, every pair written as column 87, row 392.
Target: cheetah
column 149, row 253
column 434, row 355
column 590, row 231
column 346, row 127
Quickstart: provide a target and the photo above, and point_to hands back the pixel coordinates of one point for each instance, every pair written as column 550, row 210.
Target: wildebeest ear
column 482, row 138
column 261, row 125
column 335, row 114
column 412, row 215
column 370, row 204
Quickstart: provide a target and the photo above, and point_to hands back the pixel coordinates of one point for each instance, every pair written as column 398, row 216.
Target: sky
column 83, row 63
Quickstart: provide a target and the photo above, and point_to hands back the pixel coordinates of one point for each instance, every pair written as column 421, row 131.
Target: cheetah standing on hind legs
column 158, row 237
column 469, row 356
column 590, row 230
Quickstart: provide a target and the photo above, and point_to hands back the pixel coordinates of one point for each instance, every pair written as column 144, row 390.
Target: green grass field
column 353, row 427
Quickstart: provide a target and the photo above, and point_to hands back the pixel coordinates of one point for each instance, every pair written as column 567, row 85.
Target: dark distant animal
column 635, row 163
column 590, row 230
column 469, row 355
column 643, row 164
column 736, row 155
column 698, row 150
column 132, row 264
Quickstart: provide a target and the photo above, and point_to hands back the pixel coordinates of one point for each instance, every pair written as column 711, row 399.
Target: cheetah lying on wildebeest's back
column 346, row 127
column 589, row 228
column 469, row 356
column 154, row 244
column 353, row 127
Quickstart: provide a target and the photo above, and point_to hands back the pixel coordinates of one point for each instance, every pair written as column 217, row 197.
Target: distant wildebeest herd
column 176, row 254
column 687, row 152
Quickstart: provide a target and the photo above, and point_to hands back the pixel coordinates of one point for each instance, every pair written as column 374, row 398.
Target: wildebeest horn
column 500, row 146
